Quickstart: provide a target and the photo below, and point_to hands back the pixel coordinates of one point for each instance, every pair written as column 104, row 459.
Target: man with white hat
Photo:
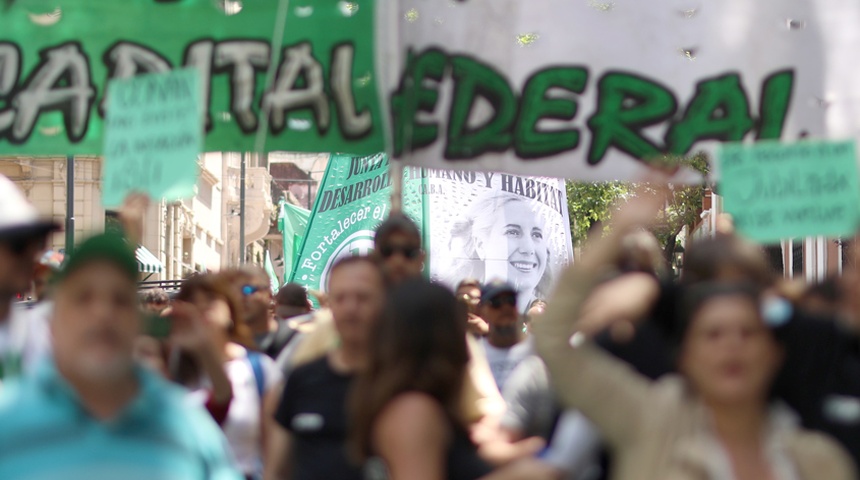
column 24, row 336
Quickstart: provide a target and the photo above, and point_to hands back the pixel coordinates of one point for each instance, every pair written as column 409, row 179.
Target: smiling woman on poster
column 502, row 237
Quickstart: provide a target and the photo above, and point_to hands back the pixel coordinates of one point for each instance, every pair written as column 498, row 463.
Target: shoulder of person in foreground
column 194, row 425
column 819, row 456
column 412, row 436
column 33, row 408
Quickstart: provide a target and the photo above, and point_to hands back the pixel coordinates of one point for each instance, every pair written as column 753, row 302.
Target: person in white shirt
column 254, row 379
column 505, row 345
column 24, row 336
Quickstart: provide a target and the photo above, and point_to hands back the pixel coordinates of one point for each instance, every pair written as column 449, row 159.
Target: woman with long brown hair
column 254, row 378
column 716, row 419
column 405, row 409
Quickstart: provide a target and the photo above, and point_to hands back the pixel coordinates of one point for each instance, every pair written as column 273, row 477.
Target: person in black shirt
column 309, row 440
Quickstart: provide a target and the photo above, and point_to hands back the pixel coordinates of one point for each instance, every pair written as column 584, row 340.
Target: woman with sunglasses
column 405, row 410
column 715, row 420
column 255, row 379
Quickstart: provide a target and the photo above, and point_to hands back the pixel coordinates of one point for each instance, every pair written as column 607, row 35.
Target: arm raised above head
column 584, row 377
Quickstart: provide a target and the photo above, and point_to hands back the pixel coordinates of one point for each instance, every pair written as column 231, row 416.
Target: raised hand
column 131, row 215
column 190, row 330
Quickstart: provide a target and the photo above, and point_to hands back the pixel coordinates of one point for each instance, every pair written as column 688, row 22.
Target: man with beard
column 398, row 246
column 309, row 442
column 252, row 286
column 90, row 413
column 505, row 346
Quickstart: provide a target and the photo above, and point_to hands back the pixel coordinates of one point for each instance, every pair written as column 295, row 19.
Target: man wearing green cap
column 90, row 412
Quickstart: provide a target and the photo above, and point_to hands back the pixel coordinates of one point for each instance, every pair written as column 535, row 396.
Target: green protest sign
column 57, row 62
column 153, row 136
column 353, row 199
column 776, row 191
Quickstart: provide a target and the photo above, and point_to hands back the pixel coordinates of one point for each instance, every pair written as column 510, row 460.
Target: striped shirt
column 45, row 433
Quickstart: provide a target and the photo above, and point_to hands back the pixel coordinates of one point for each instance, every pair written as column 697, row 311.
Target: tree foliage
column 591, row 203
column 684, row 208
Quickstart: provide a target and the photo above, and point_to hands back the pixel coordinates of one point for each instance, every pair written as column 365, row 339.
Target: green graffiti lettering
column 473, row 79
column 414, row 96
column 626, row 104
column 529, row 142
column 775, row 100
column 719, row 111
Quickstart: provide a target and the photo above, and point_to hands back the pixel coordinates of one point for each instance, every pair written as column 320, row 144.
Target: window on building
column 112, row 222
column 797, row 257
column 848, row 260
column 204, row 192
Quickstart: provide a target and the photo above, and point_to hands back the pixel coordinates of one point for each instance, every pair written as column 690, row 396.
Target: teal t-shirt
column 45, row 433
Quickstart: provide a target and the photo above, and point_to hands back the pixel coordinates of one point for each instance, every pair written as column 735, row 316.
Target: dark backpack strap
column 281, row 338
column 256, row 360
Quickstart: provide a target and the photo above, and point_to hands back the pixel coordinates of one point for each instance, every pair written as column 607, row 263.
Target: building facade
column 197, row 234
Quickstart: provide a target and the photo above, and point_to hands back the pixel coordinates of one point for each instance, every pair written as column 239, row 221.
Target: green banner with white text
column 353, row 199
column 57, row 56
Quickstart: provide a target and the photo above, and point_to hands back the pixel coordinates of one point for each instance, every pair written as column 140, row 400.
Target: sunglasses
column 409, row 253
column 249, row 290
column 503, row 300
column 20, row 245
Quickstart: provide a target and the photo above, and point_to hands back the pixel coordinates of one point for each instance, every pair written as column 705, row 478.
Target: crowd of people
column 623, row 373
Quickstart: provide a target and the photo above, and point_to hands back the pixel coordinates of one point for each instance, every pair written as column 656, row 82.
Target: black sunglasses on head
column 408, row 252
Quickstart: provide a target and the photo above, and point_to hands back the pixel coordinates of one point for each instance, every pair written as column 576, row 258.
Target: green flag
column 353, row 199
column 270, row 271
column 292, row 223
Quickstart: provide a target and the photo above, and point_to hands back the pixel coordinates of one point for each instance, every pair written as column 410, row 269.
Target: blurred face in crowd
column 41, row 282
column 256, row 294
column 402, row 257
column 500, row 312
column 535, row 311
column 728, row 353
column 356, row 297
column 515, row 248
column 155, row 307
column 18, row 260
column 214, row 308
column 149, row 352
column 96, row 321
column 471, row 295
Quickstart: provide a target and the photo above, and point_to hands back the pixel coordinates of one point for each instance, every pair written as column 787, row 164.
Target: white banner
column 594, row 89
column 489, row 226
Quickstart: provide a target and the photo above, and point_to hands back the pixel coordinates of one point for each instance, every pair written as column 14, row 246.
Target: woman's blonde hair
column 477, row 223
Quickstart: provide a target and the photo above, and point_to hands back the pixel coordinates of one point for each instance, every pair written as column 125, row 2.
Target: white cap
column 18, row 217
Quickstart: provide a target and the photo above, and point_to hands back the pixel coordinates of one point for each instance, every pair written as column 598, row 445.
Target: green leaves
column 591, row 203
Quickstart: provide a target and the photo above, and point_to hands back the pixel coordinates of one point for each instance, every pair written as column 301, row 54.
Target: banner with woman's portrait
column 488, row 226
column 480, row 225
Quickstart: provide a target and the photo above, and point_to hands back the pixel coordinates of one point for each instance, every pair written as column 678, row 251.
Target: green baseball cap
column 108, row 247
